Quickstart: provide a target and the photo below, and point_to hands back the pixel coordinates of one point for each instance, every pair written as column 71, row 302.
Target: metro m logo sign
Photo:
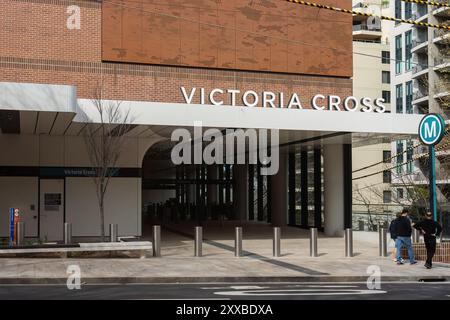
column 431, row 129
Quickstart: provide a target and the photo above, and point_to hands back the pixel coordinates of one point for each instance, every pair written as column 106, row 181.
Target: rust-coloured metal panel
column 257, row 35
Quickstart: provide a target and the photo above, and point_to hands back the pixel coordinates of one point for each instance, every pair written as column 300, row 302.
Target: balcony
column 419, row 70
column 441, row 64
column 419, row 46
column 441, row 36
column 365, row 32
column 420, row 98
column 419, row 17
column 443, row 12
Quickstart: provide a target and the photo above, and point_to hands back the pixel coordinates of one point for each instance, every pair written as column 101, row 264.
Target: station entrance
column 236, row 194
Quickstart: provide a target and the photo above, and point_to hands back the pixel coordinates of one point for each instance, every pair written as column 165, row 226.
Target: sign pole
column 431, row 132
column 432, row 182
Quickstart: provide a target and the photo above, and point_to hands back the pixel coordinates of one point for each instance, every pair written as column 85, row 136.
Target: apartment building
column 419, row 79
column 371, row 77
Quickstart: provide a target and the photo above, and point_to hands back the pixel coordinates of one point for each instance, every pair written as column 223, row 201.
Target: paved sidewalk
column 177, row 263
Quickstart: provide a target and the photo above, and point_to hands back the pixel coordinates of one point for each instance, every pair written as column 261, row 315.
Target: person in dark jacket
column 393, row 233
column 430, row 230
column 404, row 231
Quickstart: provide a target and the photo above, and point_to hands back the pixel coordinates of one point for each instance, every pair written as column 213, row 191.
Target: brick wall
column 420, row 252
column 37, row 47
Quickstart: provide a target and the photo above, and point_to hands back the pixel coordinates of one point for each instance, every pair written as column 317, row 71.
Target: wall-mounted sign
column 269, row 99
column 52, row 201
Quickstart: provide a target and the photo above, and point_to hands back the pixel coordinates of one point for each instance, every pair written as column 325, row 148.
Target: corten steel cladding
column 198, row 241
column 382, row 239
column 238, row 242
column 157, row 241
column 269, row 35
column 313, row 242
column 348, row 242
column 276, row 241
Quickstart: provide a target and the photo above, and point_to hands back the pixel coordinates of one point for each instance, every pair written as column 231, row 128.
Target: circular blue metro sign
column 431, row 129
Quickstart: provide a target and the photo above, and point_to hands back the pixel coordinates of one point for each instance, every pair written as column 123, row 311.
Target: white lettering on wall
column 268, row 99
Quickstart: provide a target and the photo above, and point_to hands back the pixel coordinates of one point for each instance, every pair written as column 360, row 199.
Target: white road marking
column 235, row 287
column 298, row 292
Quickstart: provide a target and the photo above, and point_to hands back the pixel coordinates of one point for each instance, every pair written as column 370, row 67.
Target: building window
column 408, row 10
column 385, row 77
column 409, row 156
column 398, row 10
column 400, row 193
column 385, row 57
column 408, row 47
column 387, row 176
column 399, row 98
column 386, row 156
column 386, row 95
column 387, row 196
column 398, row 54
column 400, row 157
column 409, row 97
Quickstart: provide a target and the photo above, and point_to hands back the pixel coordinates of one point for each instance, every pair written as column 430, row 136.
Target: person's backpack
column 393, row 229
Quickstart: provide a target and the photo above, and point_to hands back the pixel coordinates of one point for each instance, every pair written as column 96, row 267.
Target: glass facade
column 399, row 98
column 400, row 157
column 409, row 97
column 385, row 57
column 408, row 47
column 398, row 54
column 385, row 77
column 398, row 10
column 409, row 156
column 408, row 10
column 386, row 95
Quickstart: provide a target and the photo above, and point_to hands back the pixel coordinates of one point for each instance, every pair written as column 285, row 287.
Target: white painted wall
column 123, row 199
column 123, row 206
column 22, row 193
column 333, row 176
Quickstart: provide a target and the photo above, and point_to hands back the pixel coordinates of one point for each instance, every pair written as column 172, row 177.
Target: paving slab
column 218, row 263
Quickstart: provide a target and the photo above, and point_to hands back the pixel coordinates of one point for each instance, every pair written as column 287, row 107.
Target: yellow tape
column 322, row 6
column 431, row 3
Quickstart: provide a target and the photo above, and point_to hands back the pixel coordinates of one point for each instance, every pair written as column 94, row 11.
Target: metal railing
column 419, row 95
column 419, row 67
column 439, row 33
column 441, row 60
column 418, row 42
column 419, row 14
column 360, row 27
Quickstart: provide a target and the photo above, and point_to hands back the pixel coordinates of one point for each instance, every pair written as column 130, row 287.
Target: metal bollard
column 113, row 231
column 67, row 233
column 198, row 241
column 382, row 237
column 276, row 241
column 415, row 236
column 20, row 233
column 157, row 241
column 313, row 242
column 348, row 242
column 238, row 242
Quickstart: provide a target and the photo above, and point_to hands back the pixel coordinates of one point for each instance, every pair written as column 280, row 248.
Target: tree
column 104, row 141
